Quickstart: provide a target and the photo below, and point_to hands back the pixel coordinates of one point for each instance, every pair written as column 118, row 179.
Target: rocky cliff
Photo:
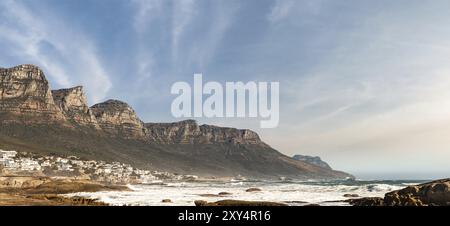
column 118, row 118
column 25, row 95
column 189, row 132
column 73, row 104
column 35, row 119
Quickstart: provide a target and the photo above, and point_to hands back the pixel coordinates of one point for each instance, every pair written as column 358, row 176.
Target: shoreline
column 45, row 191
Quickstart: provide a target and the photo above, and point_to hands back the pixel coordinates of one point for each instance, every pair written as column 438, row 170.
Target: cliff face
column 35, row 119
column 118, row 118
column 189, row 132
column 73, row 104
column 315, row 160
column 25, row 94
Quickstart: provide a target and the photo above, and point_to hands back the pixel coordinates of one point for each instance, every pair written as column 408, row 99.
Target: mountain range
column 36, row 119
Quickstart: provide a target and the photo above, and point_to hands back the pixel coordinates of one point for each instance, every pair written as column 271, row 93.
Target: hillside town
column 23, row 163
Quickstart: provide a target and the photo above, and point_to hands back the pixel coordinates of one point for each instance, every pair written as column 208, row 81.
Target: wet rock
column 435, row 193
column 369, row 201
column 351, row 195
column 312, row 204
column 224, row 193
column 200, row 203
column 253, row 190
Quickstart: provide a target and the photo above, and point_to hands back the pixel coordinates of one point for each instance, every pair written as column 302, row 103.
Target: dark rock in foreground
column 370, row 201
column 351, row 195
column 435, row 193
column 253, row 189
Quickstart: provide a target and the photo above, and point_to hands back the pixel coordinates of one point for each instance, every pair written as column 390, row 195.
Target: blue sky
column 364, row 84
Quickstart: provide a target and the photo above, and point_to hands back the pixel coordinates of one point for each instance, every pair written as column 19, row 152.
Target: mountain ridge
column 44, row 120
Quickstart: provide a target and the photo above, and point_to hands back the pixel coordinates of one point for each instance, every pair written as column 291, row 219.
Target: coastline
column 45, row 191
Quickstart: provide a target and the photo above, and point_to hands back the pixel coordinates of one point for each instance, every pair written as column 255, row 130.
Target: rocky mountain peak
column 24, row 91
column 73, row 104
column 315, row 160
column 118, row 118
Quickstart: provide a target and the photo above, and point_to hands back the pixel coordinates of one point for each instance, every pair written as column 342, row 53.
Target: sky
column 364, row 84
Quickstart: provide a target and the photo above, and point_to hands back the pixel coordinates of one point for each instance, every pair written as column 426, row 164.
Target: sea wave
column 292, row 192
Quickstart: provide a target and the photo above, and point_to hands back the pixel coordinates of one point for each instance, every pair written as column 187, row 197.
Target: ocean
column 295, row 193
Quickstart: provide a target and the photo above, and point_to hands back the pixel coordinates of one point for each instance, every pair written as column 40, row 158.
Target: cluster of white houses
column 12, row 162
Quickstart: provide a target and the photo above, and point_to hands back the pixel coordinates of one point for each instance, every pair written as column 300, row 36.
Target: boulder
column 368, row 201
column 351, row 195
column 253, row 190
column 435, row 193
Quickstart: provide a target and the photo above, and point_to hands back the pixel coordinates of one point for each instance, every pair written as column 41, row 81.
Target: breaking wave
column 292, row 192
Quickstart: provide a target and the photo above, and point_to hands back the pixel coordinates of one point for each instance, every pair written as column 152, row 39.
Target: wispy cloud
column 183, row 12
column 146, row 11
column 68, row 56
column 224, row 17
column 283, row 9
column 280, row 10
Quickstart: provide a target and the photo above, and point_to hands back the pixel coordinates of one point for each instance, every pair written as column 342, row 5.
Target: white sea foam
column 184, row 193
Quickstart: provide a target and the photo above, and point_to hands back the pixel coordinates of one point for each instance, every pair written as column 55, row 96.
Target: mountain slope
column 60, row 122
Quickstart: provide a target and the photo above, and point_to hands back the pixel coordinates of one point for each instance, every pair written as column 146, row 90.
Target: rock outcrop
column 119, row 119
column 315, row 160
column 73, row 103
column 25, row 95
column 435, row 193
column 189, row 132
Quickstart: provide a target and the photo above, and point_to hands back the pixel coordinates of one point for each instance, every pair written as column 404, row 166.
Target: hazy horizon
column 364, row 84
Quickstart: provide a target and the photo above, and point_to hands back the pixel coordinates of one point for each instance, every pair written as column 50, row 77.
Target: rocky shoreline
column 44, row 191
column 435, row 193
